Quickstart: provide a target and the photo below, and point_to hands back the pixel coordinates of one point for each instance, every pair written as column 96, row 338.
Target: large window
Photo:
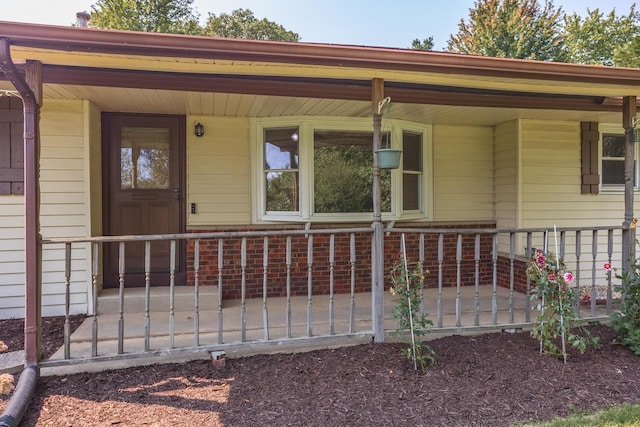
column 343, row 173
column 315, row 169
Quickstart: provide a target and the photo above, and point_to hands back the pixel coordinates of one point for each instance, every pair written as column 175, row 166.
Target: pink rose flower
column 568, row 277
column 552, row 277
column 541, row 261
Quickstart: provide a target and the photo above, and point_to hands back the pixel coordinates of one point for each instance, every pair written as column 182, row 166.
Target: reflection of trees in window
column 343, row 173
column 281, row 169
column 144, row 158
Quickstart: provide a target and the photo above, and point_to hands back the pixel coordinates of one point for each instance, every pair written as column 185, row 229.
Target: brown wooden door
column 143, row 193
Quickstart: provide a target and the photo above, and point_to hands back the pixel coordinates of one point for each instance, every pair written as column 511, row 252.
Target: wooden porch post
column 628, row 234
column 30, row 88
column 377, row 241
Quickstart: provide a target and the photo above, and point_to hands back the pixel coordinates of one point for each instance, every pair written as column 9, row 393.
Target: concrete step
column 134, row 299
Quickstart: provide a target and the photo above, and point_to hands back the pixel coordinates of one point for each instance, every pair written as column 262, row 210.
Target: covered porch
column 507, row 149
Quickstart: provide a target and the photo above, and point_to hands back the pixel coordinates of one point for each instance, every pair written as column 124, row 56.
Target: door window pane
column 281, row 162
column 144, row 158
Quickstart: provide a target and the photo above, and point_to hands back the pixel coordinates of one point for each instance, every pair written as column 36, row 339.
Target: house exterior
column 164, row 134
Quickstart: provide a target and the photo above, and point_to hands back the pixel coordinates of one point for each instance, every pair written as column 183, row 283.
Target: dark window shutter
column 11, row 146
column 590, row 140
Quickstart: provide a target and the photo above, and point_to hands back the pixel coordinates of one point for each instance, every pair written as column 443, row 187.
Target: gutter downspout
column 30, row 89
column 31, row 194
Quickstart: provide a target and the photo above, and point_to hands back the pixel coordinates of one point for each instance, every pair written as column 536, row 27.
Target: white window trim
column 306, row 126
column 614, row 188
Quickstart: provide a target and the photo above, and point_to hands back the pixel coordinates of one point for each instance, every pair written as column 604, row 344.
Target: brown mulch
column 486, row 380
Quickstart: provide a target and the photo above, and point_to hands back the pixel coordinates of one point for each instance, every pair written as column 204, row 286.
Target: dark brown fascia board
column 172, row 45
column 346, row 89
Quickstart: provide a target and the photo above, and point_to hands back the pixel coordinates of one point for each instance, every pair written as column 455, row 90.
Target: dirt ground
column 485, row 380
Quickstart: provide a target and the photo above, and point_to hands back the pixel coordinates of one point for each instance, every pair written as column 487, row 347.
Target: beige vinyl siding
column 506, row 175
column 64, row 213
column 551, row 196
column 218, row 172
column 11, row 256
column 463, row 173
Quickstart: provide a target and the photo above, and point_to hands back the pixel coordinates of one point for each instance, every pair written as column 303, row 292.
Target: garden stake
column 406, row 273
column 564, row 348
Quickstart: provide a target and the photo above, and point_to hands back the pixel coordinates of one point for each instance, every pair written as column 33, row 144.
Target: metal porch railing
column 310, row 285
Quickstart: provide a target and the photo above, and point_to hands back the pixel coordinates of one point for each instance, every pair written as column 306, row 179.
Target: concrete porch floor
column 185, row 346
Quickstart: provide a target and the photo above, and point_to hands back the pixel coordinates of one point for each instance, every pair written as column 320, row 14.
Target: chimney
column 82, row 19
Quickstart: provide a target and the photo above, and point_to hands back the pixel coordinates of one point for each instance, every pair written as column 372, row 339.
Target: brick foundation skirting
column 320, row 270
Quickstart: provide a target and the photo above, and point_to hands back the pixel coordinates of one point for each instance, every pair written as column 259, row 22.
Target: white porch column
column 628, row 234
column 377, row 240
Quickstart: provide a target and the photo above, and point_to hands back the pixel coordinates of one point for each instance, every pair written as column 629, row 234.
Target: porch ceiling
column 250, row 105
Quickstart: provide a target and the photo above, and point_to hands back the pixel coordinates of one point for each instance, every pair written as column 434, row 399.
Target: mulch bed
column 493, row 379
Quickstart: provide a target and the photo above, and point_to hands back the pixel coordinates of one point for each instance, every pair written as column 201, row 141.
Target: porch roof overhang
column 78, row 57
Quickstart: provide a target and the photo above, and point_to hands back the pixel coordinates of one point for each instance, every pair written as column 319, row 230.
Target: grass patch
column 623, row 415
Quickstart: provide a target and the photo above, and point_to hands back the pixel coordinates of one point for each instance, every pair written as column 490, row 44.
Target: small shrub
column 557, row 317
column 407, row 311
column 626, row 322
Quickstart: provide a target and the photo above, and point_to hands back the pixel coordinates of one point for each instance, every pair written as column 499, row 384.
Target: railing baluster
column 172, row 292
column 147, row 294
column 288, row 309
column 476, row 301
column 494, row 297
column 331, row 272
column 94, row 285
column 594, row 255
column 577, row 273
column 440, row 259
column 458, row 279
column 67, row 300
column 309, row 285
column 352, row 299
column 562, row 243
column 421, row 257
column 220, row 266
column 196, row 292
column 512, row 260
column 121, row 273
column 265, row 267
column 609, row 259
column 529, row 254
column 243, row 291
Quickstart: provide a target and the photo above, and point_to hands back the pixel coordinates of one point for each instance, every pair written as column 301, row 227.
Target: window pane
column 281, row 148
column 411, row 192
column 144, row 158
column 411, row 151
column 612, row 145
column 343, row 173
column 282, row 191
column 281, row 169
column 612, row 172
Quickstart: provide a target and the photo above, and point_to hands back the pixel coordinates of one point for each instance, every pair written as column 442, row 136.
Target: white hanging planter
column 388, row 158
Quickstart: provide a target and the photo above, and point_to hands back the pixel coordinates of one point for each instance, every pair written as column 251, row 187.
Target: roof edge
column 172, row 45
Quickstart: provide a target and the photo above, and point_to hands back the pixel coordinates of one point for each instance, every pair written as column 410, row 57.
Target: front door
column 143, row 193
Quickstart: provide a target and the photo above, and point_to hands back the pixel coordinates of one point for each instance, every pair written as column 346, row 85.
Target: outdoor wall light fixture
column 198, row 129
